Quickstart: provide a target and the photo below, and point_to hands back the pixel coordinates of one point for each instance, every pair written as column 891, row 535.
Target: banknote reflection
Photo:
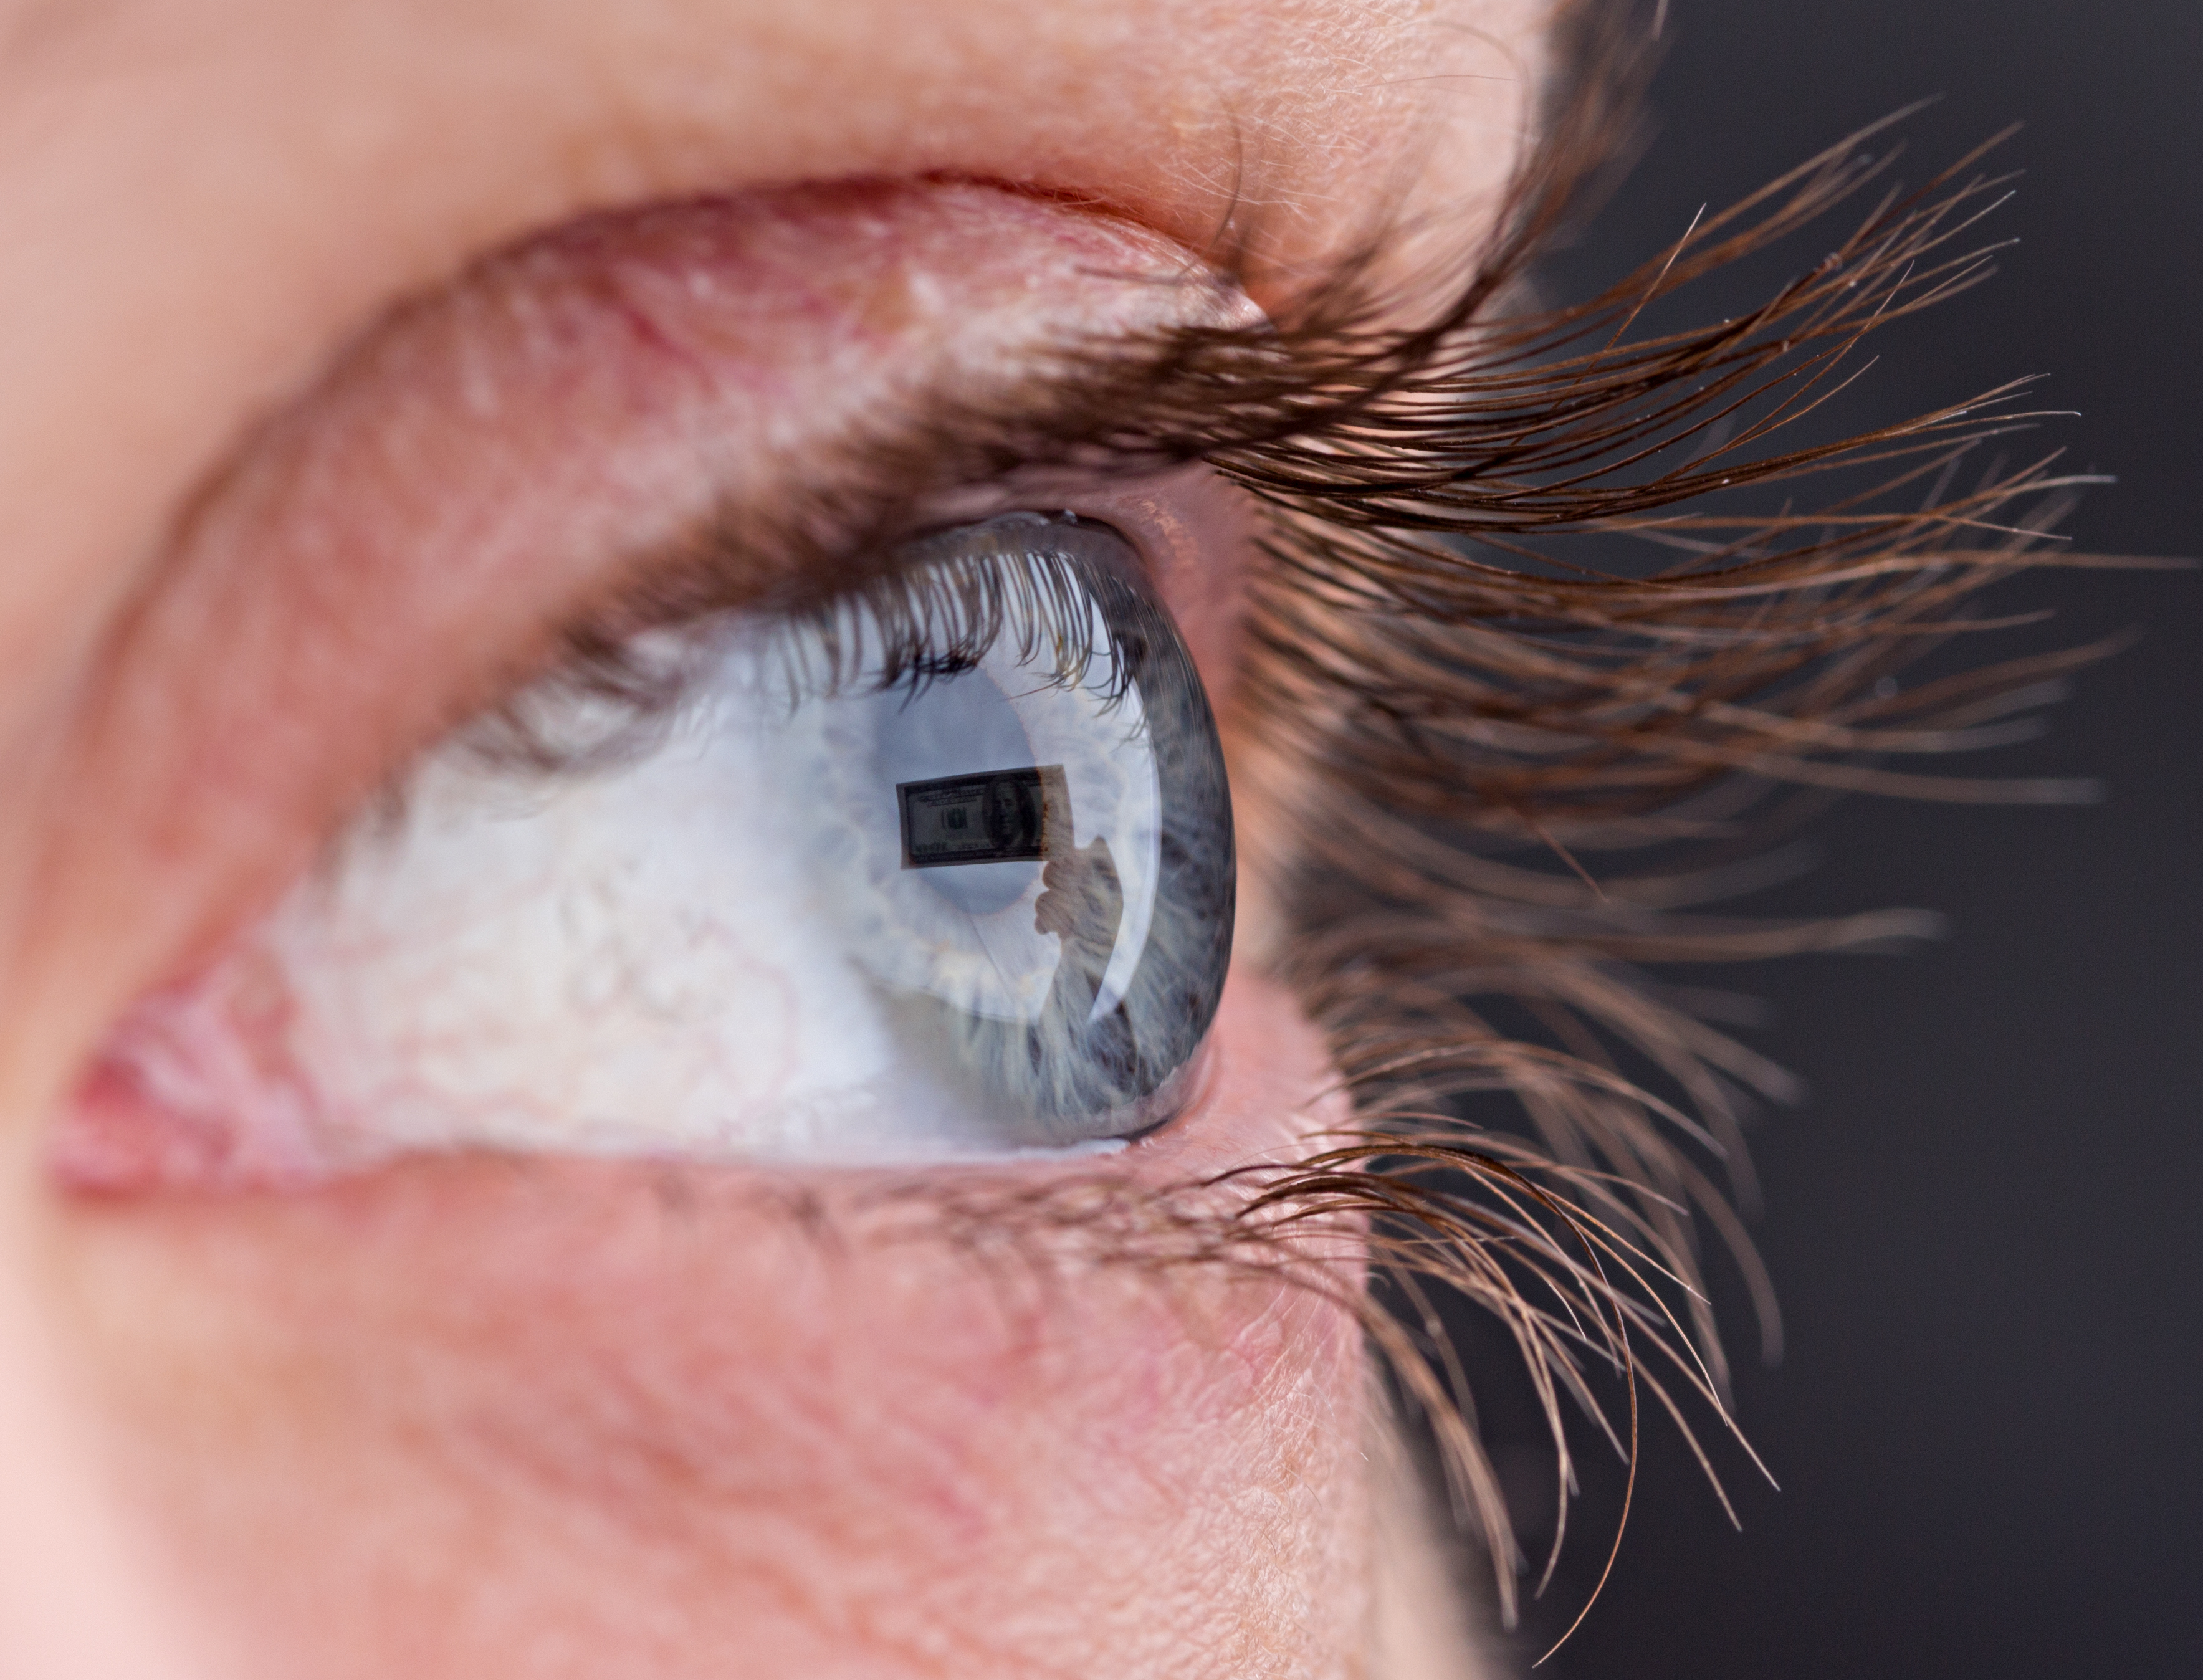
column 1022, row 815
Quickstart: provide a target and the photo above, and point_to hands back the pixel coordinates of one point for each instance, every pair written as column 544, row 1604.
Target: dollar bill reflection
column 1024, row 815
column 1002, row 816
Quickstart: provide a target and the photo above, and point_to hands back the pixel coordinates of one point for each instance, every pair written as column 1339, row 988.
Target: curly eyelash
column 1515, row 604
column 1448, row 683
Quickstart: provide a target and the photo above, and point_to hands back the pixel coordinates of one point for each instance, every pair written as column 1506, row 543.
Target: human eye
column 936, row 867
column 541, row 625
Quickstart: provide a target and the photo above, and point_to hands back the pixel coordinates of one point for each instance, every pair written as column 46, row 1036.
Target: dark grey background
column 1983, row 1221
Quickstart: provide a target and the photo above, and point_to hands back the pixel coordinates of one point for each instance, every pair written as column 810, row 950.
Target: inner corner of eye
column 941, row 871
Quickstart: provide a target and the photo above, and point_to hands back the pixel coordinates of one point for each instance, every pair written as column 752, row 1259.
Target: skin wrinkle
column 365, row 1458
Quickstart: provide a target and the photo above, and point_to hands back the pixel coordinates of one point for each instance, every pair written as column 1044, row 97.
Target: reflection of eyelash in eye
column 942, row 613
column 1000, row 586
column 1447, row 705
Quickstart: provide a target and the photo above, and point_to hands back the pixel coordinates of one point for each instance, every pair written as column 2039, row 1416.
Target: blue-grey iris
column 1021, row 793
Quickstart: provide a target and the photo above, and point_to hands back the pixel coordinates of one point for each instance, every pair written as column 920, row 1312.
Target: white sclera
column 698, row 951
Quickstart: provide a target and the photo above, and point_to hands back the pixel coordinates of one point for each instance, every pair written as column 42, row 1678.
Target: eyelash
column 1453, row 707
column 1449, row 708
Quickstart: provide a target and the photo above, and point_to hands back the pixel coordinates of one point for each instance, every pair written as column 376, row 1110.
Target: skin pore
column 487, row 1415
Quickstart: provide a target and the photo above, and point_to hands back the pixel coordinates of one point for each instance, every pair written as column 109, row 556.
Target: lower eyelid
column 1258, row 1091
column 575, row 1349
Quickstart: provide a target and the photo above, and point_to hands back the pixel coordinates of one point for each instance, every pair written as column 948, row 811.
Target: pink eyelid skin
column 682, row 1416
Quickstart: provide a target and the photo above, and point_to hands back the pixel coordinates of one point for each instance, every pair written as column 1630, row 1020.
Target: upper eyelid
column 947, row 446
column 1082, row 416
column 287, row 656
column 843, row 493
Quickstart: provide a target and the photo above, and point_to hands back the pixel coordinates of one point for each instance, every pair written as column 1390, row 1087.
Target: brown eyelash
column 1446, row 682
column 1449, row 682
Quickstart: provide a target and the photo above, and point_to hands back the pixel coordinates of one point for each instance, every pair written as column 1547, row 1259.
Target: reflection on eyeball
column 940, row 868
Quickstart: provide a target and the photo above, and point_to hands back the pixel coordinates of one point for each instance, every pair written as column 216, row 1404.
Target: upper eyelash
column 956, row 608
column 1443, row 703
